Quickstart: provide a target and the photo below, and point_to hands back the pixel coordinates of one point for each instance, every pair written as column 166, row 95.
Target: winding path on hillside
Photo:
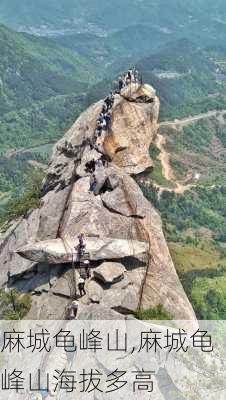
column 191, row 119
column 13, row 152
column 164, row 156
column 167, row 170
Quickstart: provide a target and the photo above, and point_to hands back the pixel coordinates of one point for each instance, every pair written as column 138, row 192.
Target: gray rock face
column 55, row 251
column 109, row 272
column 119, row 223
column 47, row 307
column 23, row 232
column 97, row 312
column 125, row 199
column 95, row 291
column 62, row 287
column 122, row 300
column 51, row 212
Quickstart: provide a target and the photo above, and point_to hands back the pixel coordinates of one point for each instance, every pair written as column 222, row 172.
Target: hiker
column 100, row 117
column 71, row 310
column 99, row 163
column 104, row 108
column 87, row 268
column 74, row 306
column 129, row 77
column 81, row 286
column 108, row 119
column 104, row 160
column 121, row 84
column 98, row 129
column 135, row 75
column 109, row 101
column 82, row 243
column 112, row 99
column 103, row 124
column 89, row 142
column 93, row 183
column 90, row 166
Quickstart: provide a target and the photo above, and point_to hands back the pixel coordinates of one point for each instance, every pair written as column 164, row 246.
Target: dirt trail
column 12, row 152
column 167, row 170
column 195, row 118
column 164, row 156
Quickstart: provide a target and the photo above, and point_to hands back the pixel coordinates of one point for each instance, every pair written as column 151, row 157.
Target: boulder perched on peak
column 133, row 129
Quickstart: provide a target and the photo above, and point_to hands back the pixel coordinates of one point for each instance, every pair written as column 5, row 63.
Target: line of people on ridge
column 104, row 123
column 132, row 76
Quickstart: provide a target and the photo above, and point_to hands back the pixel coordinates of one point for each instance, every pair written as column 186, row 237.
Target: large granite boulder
column 49, row 219
column 97, row 312
column 55, row 251
column 22, row 232
column 109, row 272
column 126, row 199
column 134, row 127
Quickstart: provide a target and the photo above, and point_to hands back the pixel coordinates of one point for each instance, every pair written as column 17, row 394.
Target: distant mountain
column 118, row 49
column 99, row 16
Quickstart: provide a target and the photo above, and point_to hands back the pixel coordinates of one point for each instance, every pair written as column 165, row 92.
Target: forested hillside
column 42, row 87
column 188, row 80
column 35, row 74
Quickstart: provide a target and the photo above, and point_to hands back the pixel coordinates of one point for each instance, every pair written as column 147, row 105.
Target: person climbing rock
column 105, row 160
column 103, row 124
column 100, row 117
column 82, row 243
column 93, row 183
column 99, row 163
column 71, row 310
column 98, row 129
column 112, row 99
column 129, row 76
column 90, row 166
column 74, row 306
column 108, row 119
column 81, row 286
column 87, row 268
column 109, row 101
column 135, row 75
column 104, row 108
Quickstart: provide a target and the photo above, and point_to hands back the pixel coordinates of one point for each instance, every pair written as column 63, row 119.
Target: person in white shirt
column 81, row 286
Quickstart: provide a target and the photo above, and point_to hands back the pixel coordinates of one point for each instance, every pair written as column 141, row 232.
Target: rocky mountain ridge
column 132, row 266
